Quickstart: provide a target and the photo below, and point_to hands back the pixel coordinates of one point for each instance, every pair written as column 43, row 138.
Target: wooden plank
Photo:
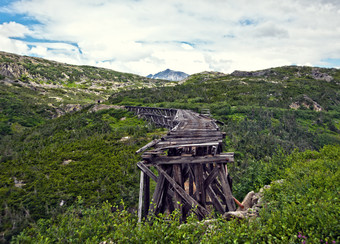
column 230, row 203
column 177, row 174
column 186, row 140
column 191, row 181
column 147, row 171
column 206, row 144
column 151, row 175
column 221, row 158
column 140, row 201
column 197, row 208
column 199, row 181
column 191, row 138
column 216, row 189
column 158, row 194
column 217, row 204
column 187, row 133
column 150, row 144
column 211, row 177
column 146, row 195
column 166, row 201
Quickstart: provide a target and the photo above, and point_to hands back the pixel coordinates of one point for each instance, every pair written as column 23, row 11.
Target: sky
column 147, row 36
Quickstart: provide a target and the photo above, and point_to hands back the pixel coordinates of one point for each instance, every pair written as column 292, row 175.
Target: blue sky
column 148, row 36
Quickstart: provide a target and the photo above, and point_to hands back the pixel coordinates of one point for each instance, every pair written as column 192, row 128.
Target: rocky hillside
column 38, row 72
column 35, row 89
column 286, row 73
column 170, row 75
column 288, row 87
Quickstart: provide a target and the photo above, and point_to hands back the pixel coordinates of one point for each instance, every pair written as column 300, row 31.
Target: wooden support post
column 211, row 177
column 177, row 173
column 191, row 181
column 147, row 171
column 230, row 203
column 199, row 181
column 166, row 201
column 146, row 195
column 197, row 208
column 140, row 203
column 216, row 188
column 217, row 204
column 157, row 195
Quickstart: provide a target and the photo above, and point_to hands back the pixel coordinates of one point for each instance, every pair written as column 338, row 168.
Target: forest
column 73, row 177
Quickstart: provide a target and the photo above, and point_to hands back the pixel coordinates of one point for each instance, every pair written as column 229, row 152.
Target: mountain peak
column 169, row 74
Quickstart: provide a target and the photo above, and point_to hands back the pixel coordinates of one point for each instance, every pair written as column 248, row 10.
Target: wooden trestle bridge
column 192, row 171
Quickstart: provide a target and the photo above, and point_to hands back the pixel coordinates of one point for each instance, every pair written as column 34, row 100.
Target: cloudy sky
column 148, row 36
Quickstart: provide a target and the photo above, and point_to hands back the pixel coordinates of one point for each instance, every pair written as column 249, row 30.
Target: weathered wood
column 177, row 173
column 191, row 181
column 197, row 208
column 230, row 203
column 179, row 133
column 166, row 201
column 199, row 181
column 150, row 144
column 186, row 140
column 211, row 177
column 189, row 160
column 146, row 195
column 187, row 153
column 192, row 145
column 147, row 171
column 217, row 204
column 158, row 194
column 140, row 202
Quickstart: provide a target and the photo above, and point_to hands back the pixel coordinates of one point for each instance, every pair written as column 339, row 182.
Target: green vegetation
column 302, row 209
column 27, row 107
column 256, row 109
column 81, row 154
column 22, row 107
column 201, row 90
column 61, row 170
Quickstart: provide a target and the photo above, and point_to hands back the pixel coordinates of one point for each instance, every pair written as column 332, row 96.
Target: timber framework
column 192, row 170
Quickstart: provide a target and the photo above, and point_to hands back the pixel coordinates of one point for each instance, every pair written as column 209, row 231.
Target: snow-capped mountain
column 169, row 74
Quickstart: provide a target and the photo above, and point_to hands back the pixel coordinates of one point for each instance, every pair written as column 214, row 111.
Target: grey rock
column 247, row 201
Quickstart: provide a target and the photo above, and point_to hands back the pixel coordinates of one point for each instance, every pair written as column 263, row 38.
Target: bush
column 302, row 209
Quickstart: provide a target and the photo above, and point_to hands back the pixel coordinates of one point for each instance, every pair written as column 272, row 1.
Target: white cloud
column 147, row 36
column 13, row 29
column 9, row 31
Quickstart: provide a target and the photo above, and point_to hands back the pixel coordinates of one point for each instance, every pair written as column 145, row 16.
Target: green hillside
column 63, row 155
column 90, row 154
column 285, row 106
column 34, row 89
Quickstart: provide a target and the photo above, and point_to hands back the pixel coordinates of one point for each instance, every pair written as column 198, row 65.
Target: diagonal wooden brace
column 200, row 210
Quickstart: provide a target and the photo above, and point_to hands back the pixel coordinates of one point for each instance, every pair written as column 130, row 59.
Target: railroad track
column 192, row 170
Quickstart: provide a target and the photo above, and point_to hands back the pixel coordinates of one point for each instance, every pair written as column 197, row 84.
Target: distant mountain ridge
column 39, row 72
column 169, row 74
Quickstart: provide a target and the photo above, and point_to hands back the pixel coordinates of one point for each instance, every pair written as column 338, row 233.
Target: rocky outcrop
column 318, row 75
column 12, row 70
column 308, row 103
column 292, row 71
column 98, row 107
column 260, row 73
column 252, row 203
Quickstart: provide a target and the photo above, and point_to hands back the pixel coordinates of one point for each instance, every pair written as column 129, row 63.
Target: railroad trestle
column 192, row 170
